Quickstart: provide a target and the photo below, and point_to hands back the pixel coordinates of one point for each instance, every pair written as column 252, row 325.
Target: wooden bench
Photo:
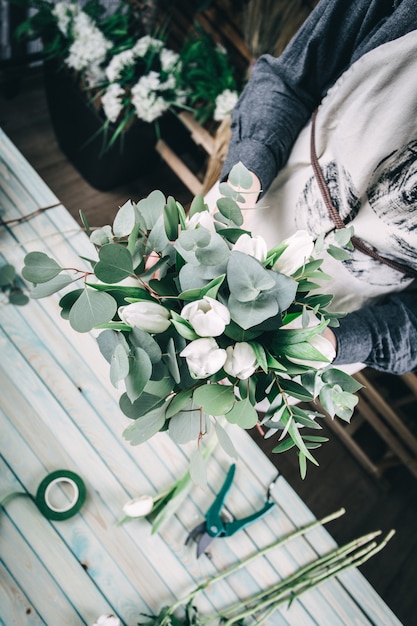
column 59, row 410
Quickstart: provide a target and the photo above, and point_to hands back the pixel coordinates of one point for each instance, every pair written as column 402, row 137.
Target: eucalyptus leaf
column 145, row 427
column 178, row 402
column 157, row 239
column 39, row 268
column 108, row 340
column 240, row 176
column 198, row 205
column 115, row 263
column 119, row 365
column 338, row 253
column 185, row 425
column 7, row 275
column 215, row 399
column 140, row 407
column 243, row 414
column 225, row 441
column 91, row 309
column 198, row 470
column 101, row 236
column 42, row 290
column 247, row 277
column 334, row 376
column 125, row 220
column 249, row 314
column 140, row 371
column 343, row 235
column 141, row 339
column 18, row 298
column 229, row 209
column 151, row 208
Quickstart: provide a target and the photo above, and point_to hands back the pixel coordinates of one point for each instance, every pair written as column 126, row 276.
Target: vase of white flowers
column 113, row 88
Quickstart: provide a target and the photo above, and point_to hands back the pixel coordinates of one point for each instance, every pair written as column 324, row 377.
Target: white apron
column 366, row 143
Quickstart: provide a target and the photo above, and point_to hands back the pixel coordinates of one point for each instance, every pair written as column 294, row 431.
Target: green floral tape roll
column 70, row 508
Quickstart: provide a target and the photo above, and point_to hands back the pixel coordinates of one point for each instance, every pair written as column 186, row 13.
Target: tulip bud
column 204, row 357
column 299, row 249
column 148, row 316
column 107, row 620
column 208, row 317
column 138, row 507
column 241, row 360
column 202, row 218
column 253, row 246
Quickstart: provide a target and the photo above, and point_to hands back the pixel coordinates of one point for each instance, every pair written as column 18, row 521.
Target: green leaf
column 198, row 471
column 119, row 365
column 304, row 351
column 285, row 337
column 141, row 339
column 7, row 275
column 295, row 390
column 225, row 441
column 85, row 223
column 286, row 444
column 140, row 407
column 260, row 355
column 151, row 208
column 140, row 371
column 178, row 402
column 171, row 361
column 215, row 399
column 91, row 309
column 243, row 414
column 171, row 219
column 145, row 427
column 302, row 462
column 249, row 314
column 338, row 253
column 338, row 402
column 115, row 263
column 124, row 221
column 247, row 277
column 343, row 235
column 240, row 176
column 211, row 290
column 197, row 205
column 229, row 209
column 18, row 298
column 334, row 376
column 42, row 290
column 157, row 240
column 185, row 426
column 39, row 267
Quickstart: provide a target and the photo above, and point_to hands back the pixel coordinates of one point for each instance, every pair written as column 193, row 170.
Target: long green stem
column 280, row 595
column 240, row 564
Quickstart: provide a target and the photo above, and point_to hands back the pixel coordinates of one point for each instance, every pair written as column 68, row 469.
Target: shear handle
column 214, row 523
column 231, row 528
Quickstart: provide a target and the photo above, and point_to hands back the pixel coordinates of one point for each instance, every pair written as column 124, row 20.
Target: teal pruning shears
column 213, row 525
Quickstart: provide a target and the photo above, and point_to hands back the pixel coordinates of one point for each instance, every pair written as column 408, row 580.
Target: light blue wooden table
column 58, row 410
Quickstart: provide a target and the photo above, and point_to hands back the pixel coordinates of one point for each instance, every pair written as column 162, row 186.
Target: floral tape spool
column 43, row 495
column 42, row 498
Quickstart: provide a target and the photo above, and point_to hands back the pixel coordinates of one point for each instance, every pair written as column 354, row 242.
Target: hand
column 330, row 336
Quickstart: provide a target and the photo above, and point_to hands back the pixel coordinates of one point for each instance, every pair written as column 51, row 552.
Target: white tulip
column 138, row 507
column 207, row 316
column 241, row 360
column 253, row 246
column 204, row 357
column 148, row 316
column 107, row 620
column 299, row 249
column 201, row 218
column 324, row 346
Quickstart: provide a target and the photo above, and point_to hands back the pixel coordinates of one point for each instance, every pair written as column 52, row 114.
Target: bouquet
column 200, row 323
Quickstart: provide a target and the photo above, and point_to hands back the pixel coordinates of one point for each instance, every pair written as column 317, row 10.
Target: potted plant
column 112, row 87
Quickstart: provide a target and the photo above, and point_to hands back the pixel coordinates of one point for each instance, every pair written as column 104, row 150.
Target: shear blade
column 203, row 543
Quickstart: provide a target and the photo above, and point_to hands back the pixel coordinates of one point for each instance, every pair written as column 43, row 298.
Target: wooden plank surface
column 58, row 410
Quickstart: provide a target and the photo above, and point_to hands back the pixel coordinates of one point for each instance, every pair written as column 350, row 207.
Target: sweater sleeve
column 382, row 336
column 282, row 92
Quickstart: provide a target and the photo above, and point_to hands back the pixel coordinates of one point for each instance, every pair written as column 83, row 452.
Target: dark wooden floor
column 339, row 480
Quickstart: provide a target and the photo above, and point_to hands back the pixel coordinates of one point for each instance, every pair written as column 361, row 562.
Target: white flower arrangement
column 214, row 324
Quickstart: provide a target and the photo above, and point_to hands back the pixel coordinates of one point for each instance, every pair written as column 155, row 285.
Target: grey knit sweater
column 276, row 104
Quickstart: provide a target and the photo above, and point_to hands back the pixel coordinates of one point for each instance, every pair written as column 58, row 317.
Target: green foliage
column 10, row 285
column 196, row 333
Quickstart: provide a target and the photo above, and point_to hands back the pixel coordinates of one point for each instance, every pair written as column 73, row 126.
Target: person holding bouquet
column 352, row 67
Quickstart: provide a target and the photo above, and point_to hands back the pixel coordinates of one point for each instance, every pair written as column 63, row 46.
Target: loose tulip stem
column 234, row 568
column 291, row 588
